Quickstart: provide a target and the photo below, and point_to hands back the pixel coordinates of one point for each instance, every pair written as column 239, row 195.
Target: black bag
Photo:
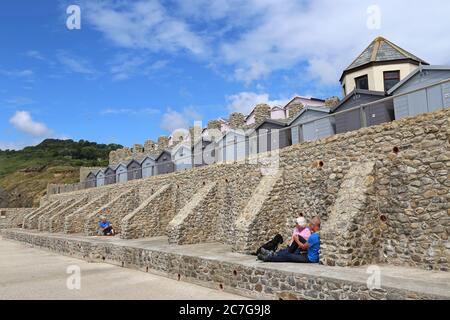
column 272, row 245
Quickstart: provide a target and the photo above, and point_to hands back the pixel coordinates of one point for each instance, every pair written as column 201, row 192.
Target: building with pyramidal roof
column 379, row 67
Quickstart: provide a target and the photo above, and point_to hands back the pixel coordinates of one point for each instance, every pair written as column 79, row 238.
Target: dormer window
column 391, row 78
column 362, row 82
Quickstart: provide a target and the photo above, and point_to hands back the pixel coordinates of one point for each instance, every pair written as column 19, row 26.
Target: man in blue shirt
column 105, row 226
column 312, row 247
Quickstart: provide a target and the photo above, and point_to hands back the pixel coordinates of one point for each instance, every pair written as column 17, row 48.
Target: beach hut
column 148, row 166
column 426, row 89
column 100, row 176
column 134, row 170
column 164, row 162
column 110, row 175
column 271, row 135
column 233, row 146
column 311, row 123
column 356, row 118
column 203, row 152
column 91, row 179
column 182, row 157
column 121, row 173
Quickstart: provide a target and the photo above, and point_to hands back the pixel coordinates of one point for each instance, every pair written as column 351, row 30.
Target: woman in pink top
column 300, row 234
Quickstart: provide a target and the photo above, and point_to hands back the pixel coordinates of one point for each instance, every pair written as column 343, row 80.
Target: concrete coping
column 395, row 277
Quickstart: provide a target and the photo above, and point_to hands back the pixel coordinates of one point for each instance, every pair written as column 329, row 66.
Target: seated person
column 312, row 247
column 300, row 234
column 106, row 226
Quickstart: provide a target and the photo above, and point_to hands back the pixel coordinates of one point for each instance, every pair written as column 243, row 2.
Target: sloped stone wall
column 43, row 221
column 410, row 196
column 196, row 222
column 13, row 217
column 151, row 218
column 74, row 222
column 56, row 221
column 248, row 225
column 114, row 211
column 352, row 232
column 30, row 221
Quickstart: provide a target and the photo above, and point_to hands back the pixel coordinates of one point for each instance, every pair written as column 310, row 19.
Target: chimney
column 237, row 120
column 137, row 148
column 262, row 112
column 149, row 146
column 214, row 124
column 294, row 110
column 332, row 102
column 163, row 143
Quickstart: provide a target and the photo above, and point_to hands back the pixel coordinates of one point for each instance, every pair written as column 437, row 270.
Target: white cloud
column 5, row 145
column 23, row 122
column 255, row 38
column 172, row 120
column 17, row 73
column 129, row 111
column 327, row 35
column 244, row 102
column 76, row 64
column 125, row 66
column 35, row 55
column 19, row 101
column 142, row 24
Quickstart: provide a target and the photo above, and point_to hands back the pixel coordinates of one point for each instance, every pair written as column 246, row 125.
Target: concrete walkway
column 393, row 278
column 399, row 277
column 29, row 273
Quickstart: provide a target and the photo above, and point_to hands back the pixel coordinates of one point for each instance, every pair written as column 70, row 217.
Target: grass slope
column 24, row 174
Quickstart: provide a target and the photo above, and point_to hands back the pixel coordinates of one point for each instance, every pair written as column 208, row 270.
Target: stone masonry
column 382, row 192
column 114, row 211
column 151, row 218
column 13, row 217
column 262, row 112
column 214, row 267
column 237, row 120
column 194, row 223
column 74, row 222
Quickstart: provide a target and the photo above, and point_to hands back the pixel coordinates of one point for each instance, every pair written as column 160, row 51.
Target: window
column 362, row 82
column 3, row 215
column 391, row 78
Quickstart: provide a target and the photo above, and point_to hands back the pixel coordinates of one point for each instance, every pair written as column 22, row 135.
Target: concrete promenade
column 30, row 273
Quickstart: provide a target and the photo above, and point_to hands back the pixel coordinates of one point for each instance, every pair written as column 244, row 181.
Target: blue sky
column 139, row 69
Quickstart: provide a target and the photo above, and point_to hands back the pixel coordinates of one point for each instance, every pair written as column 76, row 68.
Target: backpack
column 271, row 245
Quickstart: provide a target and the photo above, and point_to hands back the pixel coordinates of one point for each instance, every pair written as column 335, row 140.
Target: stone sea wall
column 252, row 280
column 13, row 217
column 382, row 193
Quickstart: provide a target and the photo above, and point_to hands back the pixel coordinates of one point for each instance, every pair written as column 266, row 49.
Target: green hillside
column 24, row 174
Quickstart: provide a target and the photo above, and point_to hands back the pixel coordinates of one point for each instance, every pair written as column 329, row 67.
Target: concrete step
column 214, row 265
